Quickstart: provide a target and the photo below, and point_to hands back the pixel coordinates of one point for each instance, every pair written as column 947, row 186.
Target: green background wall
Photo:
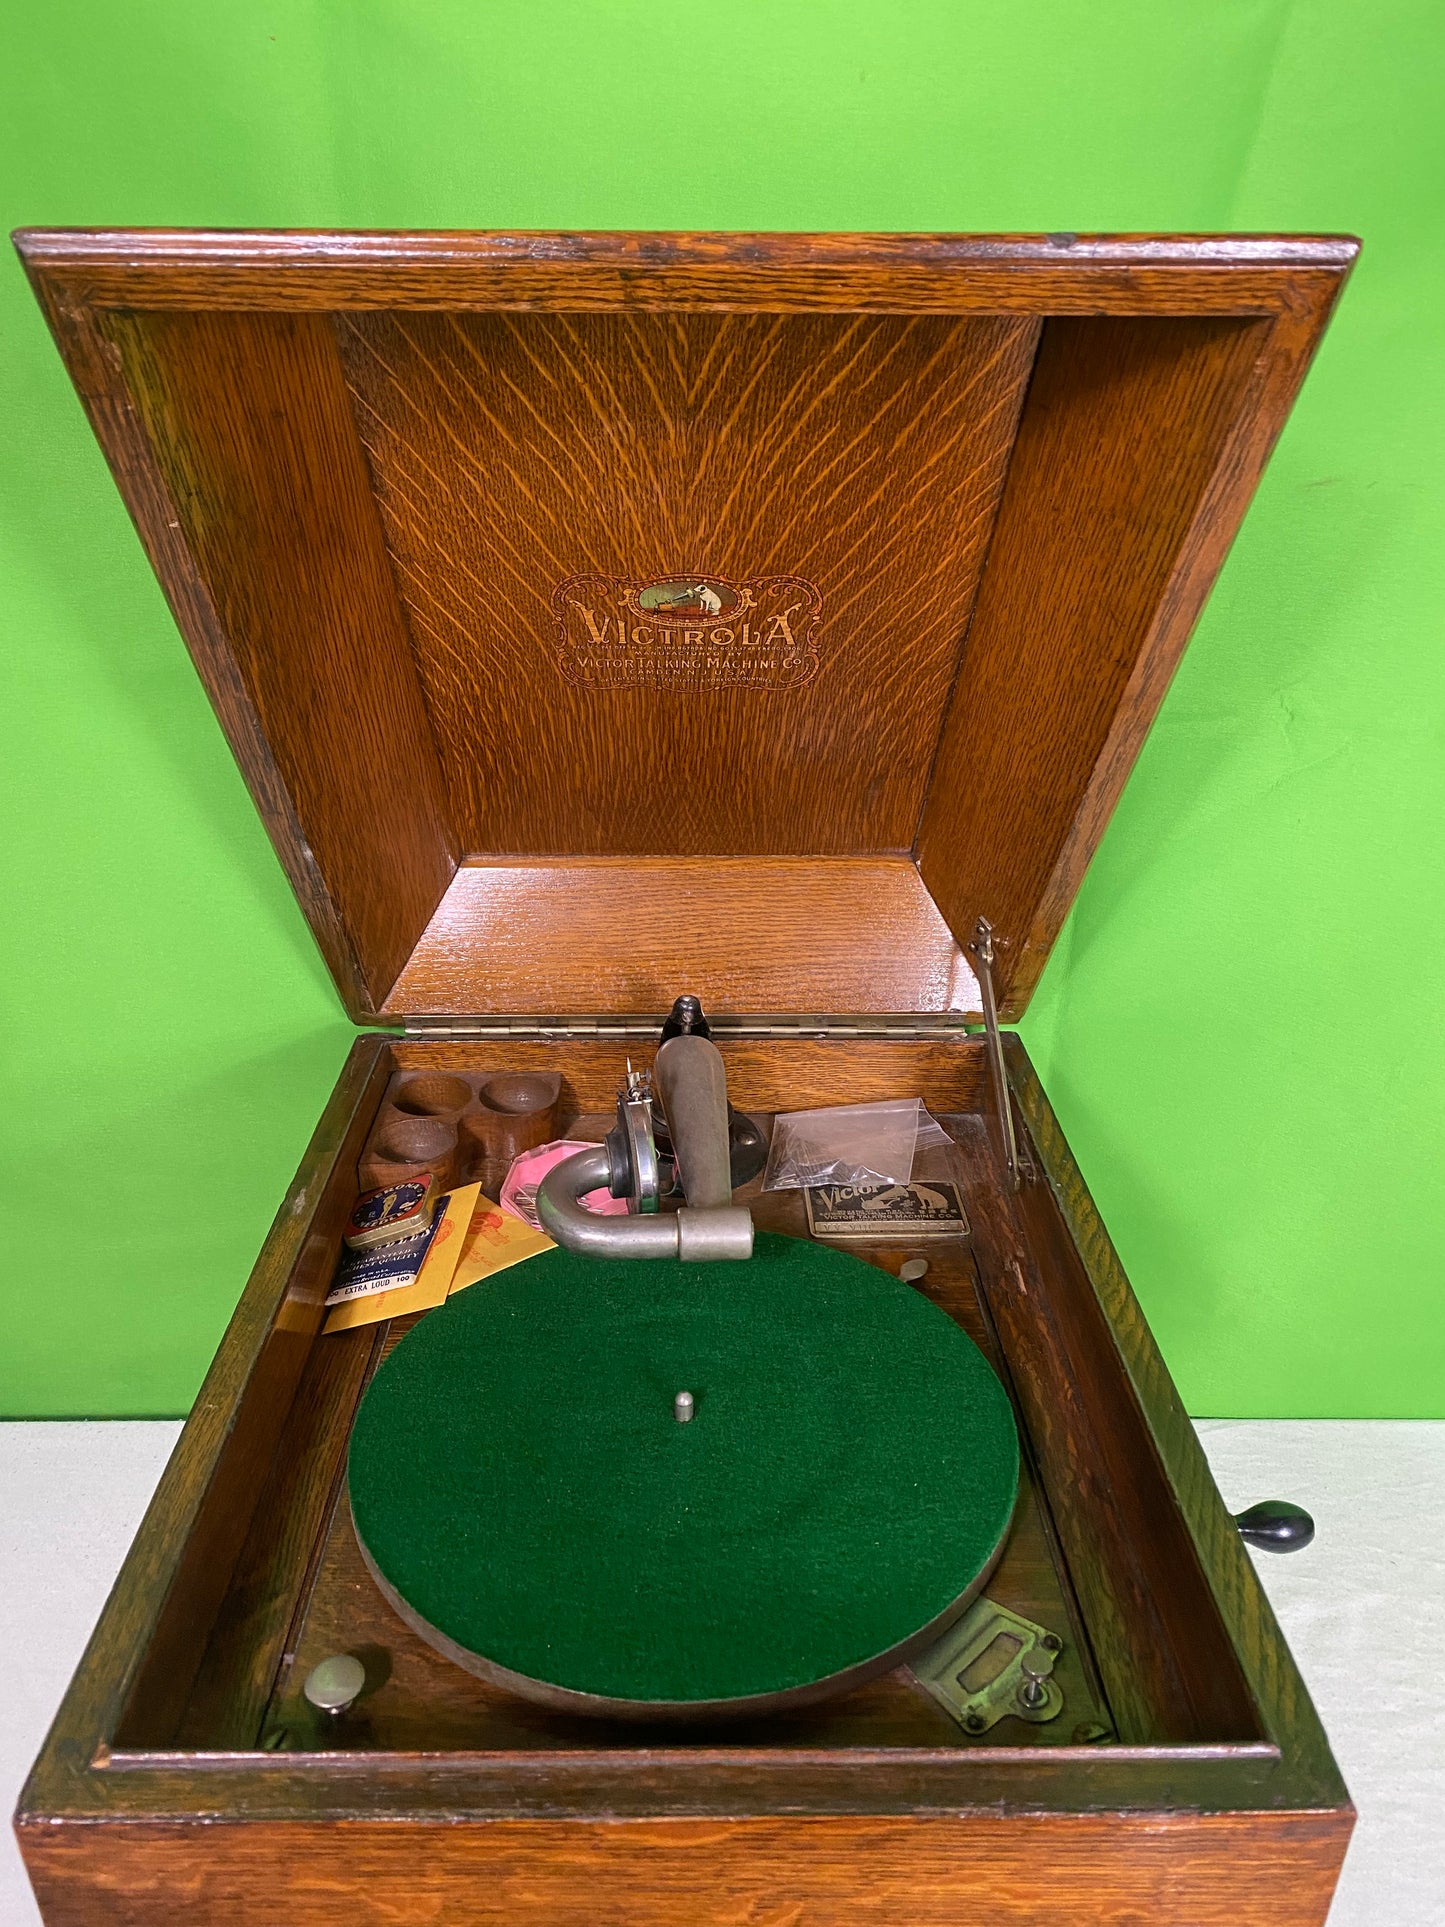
column 1242, row 1026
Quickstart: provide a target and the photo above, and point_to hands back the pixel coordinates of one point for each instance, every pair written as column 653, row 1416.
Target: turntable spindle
column 682, row 1407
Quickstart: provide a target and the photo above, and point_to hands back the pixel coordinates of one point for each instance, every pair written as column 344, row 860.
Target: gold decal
column 689, row 637
column 598, row 635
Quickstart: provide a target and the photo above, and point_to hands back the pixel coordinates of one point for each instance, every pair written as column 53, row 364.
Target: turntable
column 598, row 618
column 668, row 1491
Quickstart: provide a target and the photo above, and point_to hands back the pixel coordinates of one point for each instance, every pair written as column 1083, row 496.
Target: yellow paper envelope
column 494, row 1240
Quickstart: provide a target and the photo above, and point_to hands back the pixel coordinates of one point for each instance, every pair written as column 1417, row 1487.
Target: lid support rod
column 982, row 948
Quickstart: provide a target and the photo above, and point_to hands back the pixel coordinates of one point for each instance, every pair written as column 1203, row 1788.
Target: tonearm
column 691, row 1084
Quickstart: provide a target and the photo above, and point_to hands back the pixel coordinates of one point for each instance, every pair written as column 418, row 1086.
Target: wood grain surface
column 535, row 405
column 725, row 273
column 828, row 934
column 1136, row 457
column 140, row 1811
column 861, row 454
column 180, row 1568
column 94, row 365
column 764, row 1073
column 237, row 1671
column 250, row 425
column 1063, row 1229
column 1108, row 1870
column 1164, row 1654
column 180, row 1561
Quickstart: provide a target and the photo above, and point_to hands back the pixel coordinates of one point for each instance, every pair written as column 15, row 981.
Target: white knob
column 335, row 1683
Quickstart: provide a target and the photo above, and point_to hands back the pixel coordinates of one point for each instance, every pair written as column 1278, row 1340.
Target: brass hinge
column 767, row 1024
column 529, row 1027
column 1020, row 1169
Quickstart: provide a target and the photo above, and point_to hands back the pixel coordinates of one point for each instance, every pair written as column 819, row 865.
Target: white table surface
column 1363, row 1610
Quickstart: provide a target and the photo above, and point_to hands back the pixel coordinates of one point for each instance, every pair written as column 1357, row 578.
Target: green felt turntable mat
column 520, row 1483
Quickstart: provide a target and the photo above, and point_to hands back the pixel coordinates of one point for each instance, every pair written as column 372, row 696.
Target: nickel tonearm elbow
column 707, row 1145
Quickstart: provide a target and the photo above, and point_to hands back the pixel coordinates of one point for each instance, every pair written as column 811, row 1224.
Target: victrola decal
column 686, row 631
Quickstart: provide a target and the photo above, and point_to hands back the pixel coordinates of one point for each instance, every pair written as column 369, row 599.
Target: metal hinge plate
column 993, row 1665
column 768, row 1024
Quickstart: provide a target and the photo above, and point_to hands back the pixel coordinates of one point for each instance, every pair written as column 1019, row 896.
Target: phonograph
column 772, row 620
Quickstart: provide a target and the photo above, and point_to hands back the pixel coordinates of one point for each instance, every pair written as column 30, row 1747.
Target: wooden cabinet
column 597, row 618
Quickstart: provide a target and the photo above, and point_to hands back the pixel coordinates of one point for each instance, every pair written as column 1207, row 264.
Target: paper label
column 376, row 1268
column 430, row 1284
column 929, row 1209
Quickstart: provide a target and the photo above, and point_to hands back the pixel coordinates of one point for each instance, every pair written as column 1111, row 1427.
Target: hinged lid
column 597, row 616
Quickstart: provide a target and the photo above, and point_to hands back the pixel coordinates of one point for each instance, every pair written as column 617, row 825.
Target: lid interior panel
column 537, row 472
column 744, row 614
column 1102, row 553
column 285, row 591
column 746, row 934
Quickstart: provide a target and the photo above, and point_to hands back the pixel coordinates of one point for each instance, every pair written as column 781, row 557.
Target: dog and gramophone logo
column 686, row 630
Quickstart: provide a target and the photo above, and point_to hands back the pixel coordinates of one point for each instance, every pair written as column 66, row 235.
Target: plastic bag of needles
column 852, row 1144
